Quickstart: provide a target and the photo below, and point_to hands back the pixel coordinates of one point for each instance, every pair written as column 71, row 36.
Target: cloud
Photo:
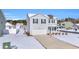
column 10, row 16
column 13, row 14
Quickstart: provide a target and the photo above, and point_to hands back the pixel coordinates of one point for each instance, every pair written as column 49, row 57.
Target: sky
column 15, row 14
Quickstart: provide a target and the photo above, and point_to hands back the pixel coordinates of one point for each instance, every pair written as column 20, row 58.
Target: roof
column 48, row 16
column 31, row 15
column 8, row 24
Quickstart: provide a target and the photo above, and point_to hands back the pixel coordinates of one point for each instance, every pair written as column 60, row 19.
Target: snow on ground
column 70, row 30
column 70, row 38
column 21, row 41
column 21, row 31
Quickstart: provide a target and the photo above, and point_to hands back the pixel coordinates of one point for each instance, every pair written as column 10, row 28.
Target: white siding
column 28, row 24
column 40, row 28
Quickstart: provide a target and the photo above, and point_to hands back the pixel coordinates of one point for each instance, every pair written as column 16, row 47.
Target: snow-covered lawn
column 21, row 41
column 70, row 38
column 70, row 30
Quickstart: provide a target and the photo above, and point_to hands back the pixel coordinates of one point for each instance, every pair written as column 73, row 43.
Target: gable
column 39, row 15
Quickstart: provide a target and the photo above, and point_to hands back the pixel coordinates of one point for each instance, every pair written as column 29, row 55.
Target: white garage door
column 38, row 32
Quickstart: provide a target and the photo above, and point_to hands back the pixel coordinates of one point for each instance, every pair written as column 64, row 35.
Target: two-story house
column 41, row 24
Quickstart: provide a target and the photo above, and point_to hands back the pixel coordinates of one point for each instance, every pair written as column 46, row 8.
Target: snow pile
column 70, row 38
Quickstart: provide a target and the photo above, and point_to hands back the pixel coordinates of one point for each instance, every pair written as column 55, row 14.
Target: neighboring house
column 2, row 23
column 19, row 25
column 21, row 28
column 76, row 26
column 41, row 24
column 67, row 25
column 10, row 28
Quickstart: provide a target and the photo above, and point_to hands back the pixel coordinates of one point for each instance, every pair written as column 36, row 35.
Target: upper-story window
column 49, row 21
column 35, row 21
column 53, row 21
column 43, row 21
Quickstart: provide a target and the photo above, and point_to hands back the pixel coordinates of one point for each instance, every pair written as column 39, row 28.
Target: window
column 53, row 28
column 43, row 21
column 63, row 24
column 49, row 21
column 60, row 27
column 49, row 28
column 53, row 21
column 35, row 21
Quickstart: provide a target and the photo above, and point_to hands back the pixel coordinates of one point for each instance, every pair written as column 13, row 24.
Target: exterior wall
column 67, row 25
column 38, row 32
column 2, row 22
column 28, row 24
column 38, row 28
column 0, row 33
column 52, row 25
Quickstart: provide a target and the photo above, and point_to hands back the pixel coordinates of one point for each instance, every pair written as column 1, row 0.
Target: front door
column 49, row 29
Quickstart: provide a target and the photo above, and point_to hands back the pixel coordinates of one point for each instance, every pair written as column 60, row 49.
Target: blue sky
column 21, row 13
